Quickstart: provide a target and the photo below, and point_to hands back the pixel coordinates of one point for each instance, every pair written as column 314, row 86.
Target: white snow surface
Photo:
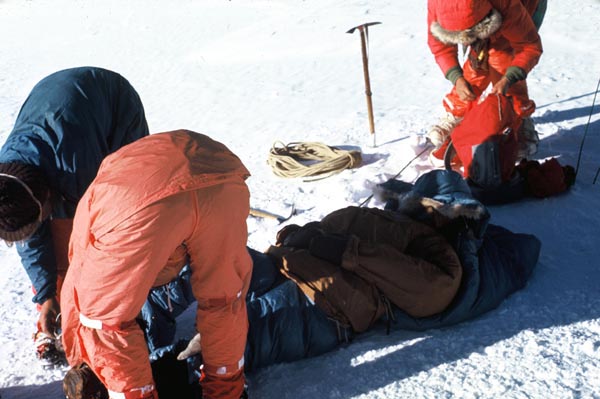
column 250, row 73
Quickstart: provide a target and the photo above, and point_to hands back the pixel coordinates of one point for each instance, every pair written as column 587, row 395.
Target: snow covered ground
column 250, row 73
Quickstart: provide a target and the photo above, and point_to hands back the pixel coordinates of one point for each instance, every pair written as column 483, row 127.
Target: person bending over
column 151, row 199
column 69, row 122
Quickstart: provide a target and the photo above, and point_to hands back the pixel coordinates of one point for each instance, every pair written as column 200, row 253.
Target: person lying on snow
column 335, row 291
column 293, row 319
column 430, row 259
column 287, row 325
column 69, row 122
column 504, row 46
column 153, row 203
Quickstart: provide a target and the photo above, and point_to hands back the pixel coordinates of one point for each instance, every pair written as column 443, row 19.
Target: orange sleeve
column 446, row 56
column 521, row 33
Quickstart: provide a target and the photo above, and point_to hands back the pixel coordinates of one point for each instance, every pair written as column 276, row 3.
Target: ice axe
column 268, row 215
column 364, row 36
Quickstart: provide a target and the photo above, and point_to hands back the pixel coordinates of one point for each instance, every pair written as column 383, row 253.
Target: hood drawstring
column 389, row 314
column 478, row 56
column 342, row 331
column 169, row 303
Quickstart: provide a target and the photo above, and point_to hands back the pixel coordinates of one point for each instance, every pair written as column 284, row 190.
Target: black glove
column 301, row 237
column 329, row 247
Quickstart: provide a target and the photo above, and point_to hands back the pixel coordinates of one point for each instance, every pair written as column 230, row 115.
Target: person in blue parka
column 69, row 122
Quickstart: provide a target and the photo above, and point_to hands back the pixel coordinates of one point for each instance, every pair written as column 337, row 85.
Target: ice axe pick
column 364, row 37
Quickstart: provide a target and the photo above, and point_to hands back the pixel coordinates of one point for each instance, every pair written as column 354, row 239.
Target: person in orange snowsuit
column 150, row 200
column 504, row 46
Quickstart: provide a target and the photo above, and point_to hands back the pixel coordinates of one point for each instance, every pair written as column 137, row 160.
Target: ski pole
column 586, row 130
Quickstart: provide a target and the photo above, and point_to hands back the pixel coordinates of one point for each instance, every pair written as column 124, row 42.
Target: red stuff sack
column 486, row 141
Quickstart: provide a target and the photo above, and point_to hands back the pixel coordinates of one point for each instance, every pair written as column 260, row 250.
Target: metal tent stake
column 364, row 34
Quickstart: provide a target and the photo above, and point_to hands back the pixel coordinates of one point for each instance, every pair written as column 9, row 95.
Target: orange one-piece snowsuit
column 148, row 199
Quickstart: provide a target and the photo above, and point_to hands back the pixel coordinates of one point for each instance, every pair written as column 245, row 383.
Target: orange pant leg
column 70, row 320
column 221, row 271
column 112, row 275
column 61, row 232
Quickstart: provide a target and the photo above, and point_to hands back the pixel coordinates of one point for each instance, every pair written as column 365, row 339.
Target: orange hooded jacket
column 517, row 34
column 148, row 198
column 514, row 46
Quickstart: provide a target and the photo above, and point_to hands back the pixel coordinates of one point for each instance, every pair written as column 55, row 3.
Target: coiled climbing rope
column 310, row 159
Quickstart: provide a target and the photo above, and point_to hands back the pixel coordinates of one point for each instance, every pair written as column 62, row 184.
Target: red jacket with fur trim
column 517, row 33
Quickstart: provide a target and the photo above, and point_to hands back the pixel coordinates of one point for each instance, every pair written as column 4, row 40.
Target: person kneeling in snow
column 70, row 121
column 164, row 194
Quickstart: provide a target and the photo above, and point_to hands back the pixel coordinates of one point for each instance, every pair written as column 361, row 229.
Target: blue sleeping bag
column 284, row 325
column 496, row 262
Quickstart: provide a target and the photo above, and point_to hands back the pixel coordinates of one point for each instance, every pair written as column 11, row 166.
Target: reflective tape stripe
column 95, row 324
column 116, row 395
column 135, row 393
column 99, row 325
column 226, row 369
column 448, row 103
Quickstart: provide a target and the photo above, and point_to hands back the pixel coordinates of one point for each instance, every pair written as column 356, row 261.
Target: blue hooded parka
column 69, row 122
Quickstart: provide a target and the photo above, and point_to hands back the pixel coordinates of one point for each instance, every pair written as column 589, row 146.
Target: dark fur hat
column 23, row 200
column 482, row 30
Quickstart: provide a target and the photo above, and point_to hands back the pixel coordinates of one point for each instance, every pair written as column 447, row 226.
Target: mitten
column 548, row 178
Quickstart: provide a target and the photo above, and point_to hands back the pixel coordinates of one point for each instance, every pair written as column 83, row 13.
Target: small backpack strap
column 449, row 155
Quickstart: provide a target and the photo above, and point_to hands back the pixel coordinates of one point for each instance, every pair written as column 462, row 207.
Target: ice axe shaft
column 364, row 29
column 268, row 215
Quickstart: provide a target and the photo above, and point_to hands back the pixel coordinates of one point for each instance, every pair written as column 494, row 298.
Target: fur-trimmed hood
column 482, row 30
column 437, row 198
column 414, row 203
